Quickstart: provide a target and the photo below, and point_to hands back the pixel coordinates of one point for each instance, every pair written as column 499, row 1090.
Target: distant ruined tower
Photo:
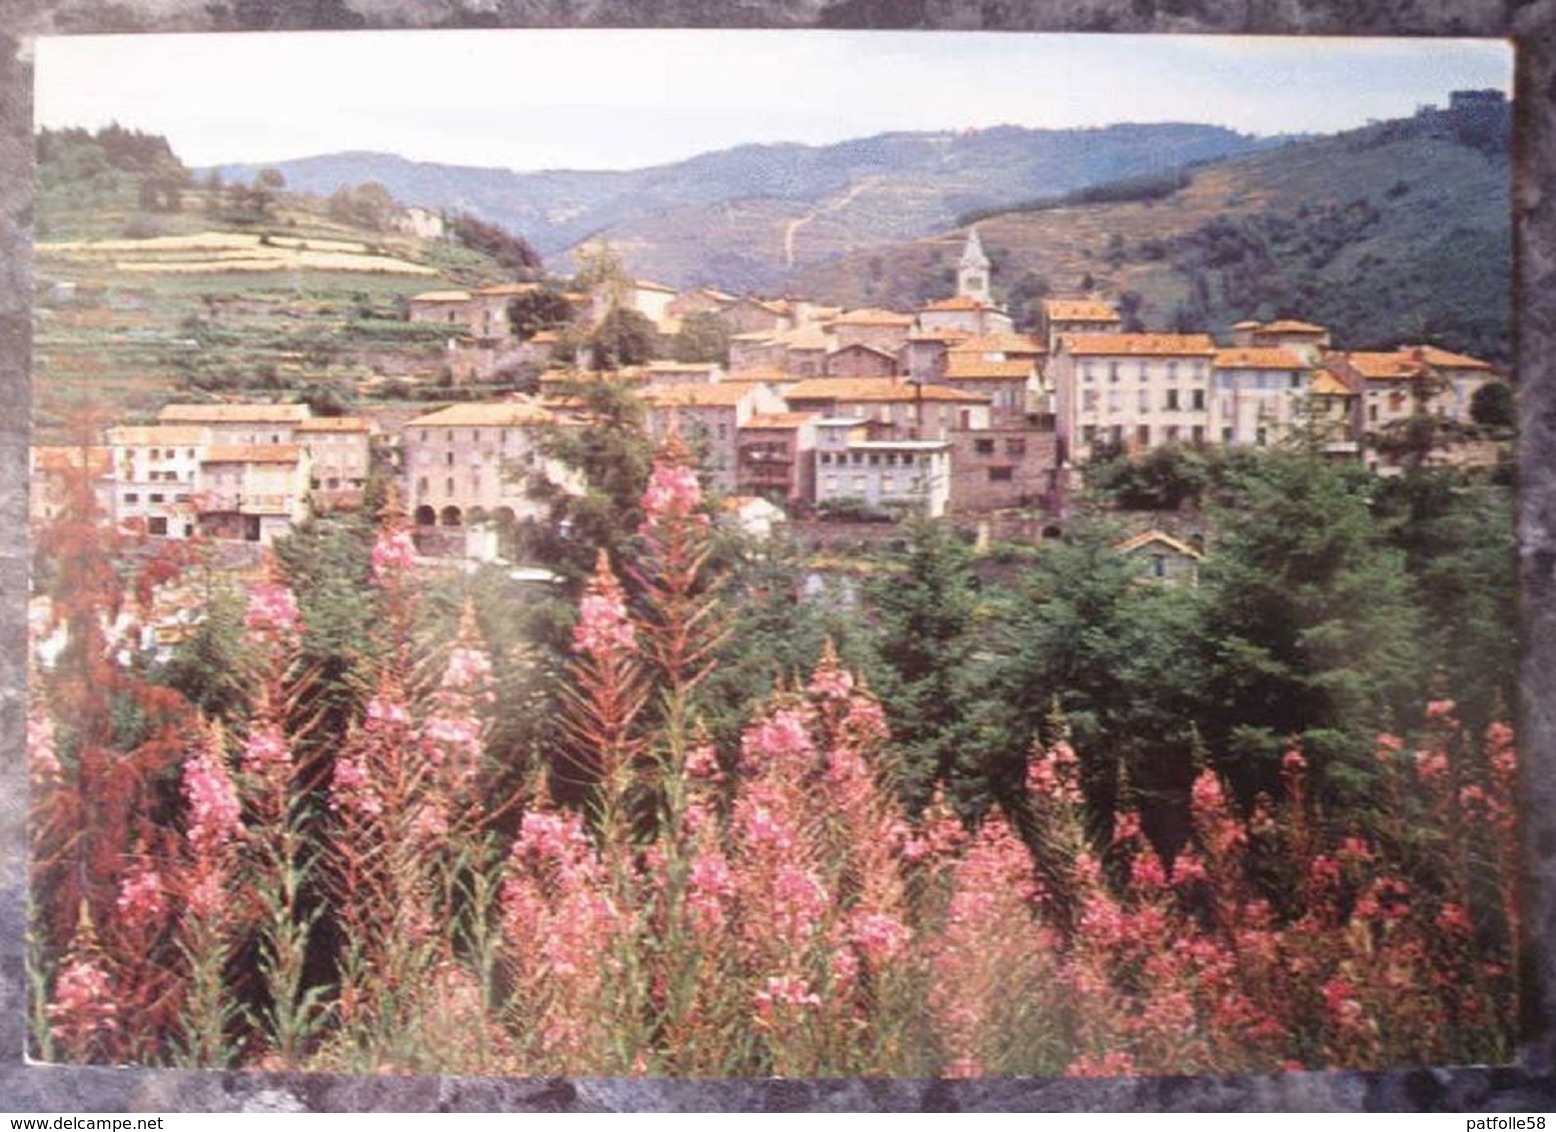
column 972, row 272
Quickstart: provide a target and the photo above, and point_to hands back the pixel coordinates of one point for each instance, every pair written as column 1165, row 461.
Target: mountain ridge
column 934, row 176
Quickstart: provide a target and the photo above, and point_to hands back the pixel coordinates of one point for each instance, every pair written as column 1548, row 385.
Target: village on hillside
column 821, row 414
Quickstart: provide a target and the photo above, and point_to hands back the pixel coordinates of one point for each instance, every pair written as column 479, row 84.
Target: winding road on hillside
column 840, row 202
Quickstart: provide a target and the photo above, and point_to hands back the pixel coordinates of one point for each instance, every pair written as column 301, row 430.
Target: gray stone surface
column 1523, row 1088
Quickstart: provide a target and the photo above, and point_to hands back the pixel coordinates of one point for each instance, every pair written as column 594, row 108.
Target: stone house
column 882, row 330
column 1164, row 560
column 894, row 407
column 442, row 308
column 256, row 423
column 999, row 468
column 1060, row 317
column 708, row 418
column 1260, row 396
column 470, row 463
column 860, row 360
column 1012, row 387
column 156, row 476
column 883, row 476
column 253, row 492
column 1130, row 392
column 340, row 450
column 57, row 473
column 775, row 457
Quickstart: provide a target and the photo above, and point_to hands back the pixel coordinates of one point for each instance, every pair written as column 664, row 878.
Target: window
column 1112, row 371
column 155, row 497
column 1089, row 401
column 1143, row 435
column 1296, row 379
column 1199, row 434
column 984, row 447
column 1228, row 435
column 132, row 497
column 1001, row 475
column 156, row 525
column 448, row 458
column 448, row 486
column 1262, row 437
column 1158, row 565
column 1015, row 447
column 1172, row 399
column 1172, row 371
column 875, row 459
column 1115, row 401
column 1145, row 371
column 1172, row 434
column 1089, row 434
column 825, row 458
column 1145, row 401
column 1087, row 373
column 1197, row 400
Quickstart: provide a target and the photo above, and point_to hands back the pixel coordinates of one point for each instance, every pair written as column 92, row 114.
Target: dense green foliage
column 1146, row 187
column 514, row 253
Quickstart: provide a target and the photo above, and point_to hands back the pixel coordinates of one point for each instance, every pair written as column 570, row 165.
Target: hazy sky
column 612, row 99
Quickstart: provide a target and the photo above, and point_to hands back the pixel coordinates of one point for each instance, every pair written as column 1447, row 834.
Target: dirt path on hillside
column 842, row 201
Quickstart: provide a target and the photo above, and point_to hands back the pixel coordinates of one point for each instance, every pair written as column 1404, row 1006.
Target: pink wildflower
column 879, row 938
column 265, row 750
column 272, row 613
column 393, row 554
column 214, row 813
column 142, row 900
column 83, row 1006
column 603, row 628
column 785, row 991
column 673, row 491
column 386, row 710
column 352, row 790
column 781, row 739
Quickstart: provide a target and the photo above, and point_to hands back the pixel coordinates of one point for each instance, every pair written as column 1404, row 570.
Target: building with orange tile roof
column 708, row 418
column 1058, row 317
column 472, row 462
column 252, row 492
column 341, row 451
column 895, row 407
column 860, row 360
column 775, row 457
column 882, row 330
column 1130, row 392
column 1261, row 395
column 58, row 474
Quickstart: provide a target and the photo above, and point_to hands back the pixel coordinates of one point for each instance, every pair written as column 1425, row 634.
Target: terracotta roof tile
column 697, row 395
column 484, row 414
column 975, row 368
column 1079, row 310
column 1378, row 366
column 233, row 414
column 779, row 420
column 882, row 389
column 177, row 436
column 870, row 316
column 252, row 454
column 1138, row 345
column 1258, row 357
